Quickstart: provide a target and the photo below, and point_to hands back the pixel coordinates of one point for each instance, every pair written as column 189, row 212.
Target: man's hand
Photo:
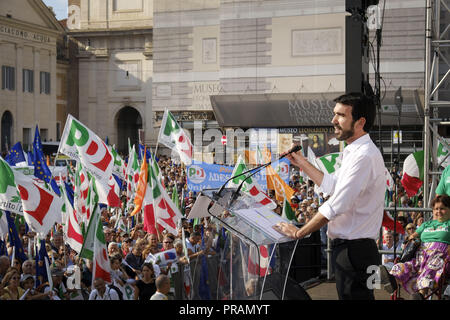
column 287, row 229
column 296, row 158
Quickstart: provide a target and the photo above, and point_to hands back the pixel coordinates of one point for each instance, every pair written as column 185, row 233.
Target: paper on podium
column 264, row 219
column 200, row 208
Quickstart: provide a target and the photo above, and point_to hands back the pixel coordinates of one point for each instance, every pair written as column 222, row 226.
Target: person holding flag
column 355, row 209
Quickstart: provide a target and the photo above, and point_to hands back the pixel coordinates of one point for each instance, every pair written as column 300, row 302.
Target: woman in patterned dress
column 424, row 271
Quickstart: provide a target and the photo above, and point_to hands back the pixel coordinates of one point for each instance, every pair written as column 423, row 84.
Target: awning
column 278, row 110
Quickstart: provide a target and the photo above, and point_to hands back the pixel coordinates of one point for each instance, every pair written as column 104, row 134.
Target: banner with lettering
column 201, row 175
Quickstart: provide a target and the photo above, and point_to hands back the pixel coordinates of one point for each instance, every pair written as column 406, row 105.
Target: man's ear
column 360, row 123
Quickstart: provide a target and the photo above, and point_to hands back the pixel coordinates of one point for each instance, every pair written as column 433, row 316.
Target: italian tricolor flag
column 172, row 136
column 250, row 186
column 412, row 178
column 101, row 265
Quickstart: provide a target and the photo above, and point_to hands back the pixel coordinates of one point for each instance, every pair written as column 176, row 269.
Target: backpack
column 119, row 292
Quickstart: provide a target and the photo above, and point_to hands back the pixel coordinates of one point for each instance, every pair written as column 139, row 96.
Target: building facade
column 34, row 73
column 239, row 53
column 115, row 68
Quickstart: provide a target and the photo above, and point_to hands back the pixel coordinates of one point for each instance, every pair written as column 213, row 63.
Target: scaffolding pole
column 434, row 39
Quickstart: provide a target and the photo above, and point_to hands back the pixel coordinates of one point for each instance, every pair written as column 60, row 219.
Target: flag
column 150, row 223
column 165, row 212
column 132, row 173
column 118, row 163
column 165, row 257
column 9, row 196
column 109, row 194
column 41, row 207
column 30, row 158
column 412, row 178
column 274, row 181
column 250, row 186
column 329, row 163
column 71, row 228
column 173, row 136
column 83, row 145
column 14, row 240
column 442, row 153
column 3, row 225
column 175, row 198
column 144, row 151
column 389, row 180
column 141, row 187
column 81, row 191
column 258, row 262
column 41, row 170
column 70, row 175
column 87, row 250
column 101, row 265
column 388, row 222
column 203, row 288
column 16, row 156
column 288, row 213
column 41, row 255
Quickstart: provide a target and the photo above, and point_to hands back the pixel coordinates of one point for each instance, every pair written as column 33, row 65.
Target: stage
column 327, row 291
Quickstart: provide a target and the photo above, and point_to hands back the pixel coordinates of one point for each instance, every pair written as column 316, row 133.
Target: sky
column 59, row 7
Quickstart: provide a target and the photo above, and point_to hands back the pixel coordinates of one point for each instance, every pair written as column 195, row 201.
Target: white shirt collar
column 357, row 143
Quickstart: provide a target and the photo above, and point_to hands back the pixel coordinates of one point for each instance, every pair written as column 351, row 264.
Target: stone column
column 37, row 88
column 52, row 101
column 18, row 116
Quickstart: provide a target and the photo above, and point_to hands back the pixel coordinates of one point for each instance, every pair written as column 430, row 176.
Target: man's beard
column 345, row 134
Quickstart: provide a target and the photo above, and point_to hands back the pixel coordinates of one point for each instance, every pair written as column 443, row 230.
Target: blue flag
column 203, row 288
column 3, row 251
column 141, row 152
column 37, row 144
column 69, row 193
column 15, row 155
column 14, row 239
column 41, row 270
column 41, row 169
column 30, row 157
column 118, row 180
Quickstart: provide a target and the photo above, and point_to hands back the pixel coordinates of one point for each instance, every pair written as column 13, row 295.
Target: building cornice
column 109, row 32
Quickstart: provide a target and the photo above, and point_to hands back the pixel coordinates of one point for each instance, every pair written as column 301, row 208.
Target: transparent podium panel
column 249, row 265
column 243, row 267
column 246, row 217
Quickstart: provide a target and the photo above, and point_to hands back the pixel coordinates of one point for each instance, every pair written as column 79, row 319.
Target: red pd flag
column 41, row 208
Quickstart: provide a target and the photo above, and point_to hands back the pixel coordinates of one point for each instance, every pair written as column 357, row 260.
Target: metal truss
column 437, row 34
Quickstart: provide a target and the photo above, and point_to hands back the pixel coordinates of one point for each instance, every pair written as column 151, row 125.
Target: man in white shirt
column 102, row 292
column 388, row 259
column 355, row 209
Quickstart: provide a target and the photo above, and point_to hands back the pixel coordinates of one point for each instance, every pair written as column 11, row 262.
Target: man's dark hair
column 196, row 234
column 362, row 107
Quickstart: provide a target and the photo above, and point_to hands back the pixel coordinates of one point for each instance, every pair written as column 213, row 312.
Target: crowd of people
column 129, row 250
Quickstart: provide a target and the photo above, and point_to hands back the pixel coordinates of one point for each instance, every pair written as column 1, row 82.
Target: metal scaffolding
column 436, row 40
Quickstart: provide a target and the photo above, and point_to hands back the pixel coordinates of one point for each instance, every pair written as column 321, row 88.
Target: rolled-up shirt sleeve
column 346, row 191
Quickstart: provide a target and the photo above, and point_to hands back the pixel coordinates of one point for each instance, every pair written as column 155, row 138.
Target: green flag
column 9, row 196
column 87, row 250
column 175, row 197
column 288, row 213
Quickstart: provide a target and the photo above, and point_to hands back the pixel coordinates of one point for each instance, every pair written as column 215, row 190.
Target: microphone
column 294, row 149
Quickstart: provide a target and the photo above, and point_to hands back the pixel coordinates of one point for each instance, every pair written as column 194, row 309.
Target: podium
column 250, row 266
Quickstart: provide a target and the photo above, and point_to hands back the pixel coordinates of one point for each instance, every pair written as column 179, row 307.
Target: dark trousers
column 351, row 258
